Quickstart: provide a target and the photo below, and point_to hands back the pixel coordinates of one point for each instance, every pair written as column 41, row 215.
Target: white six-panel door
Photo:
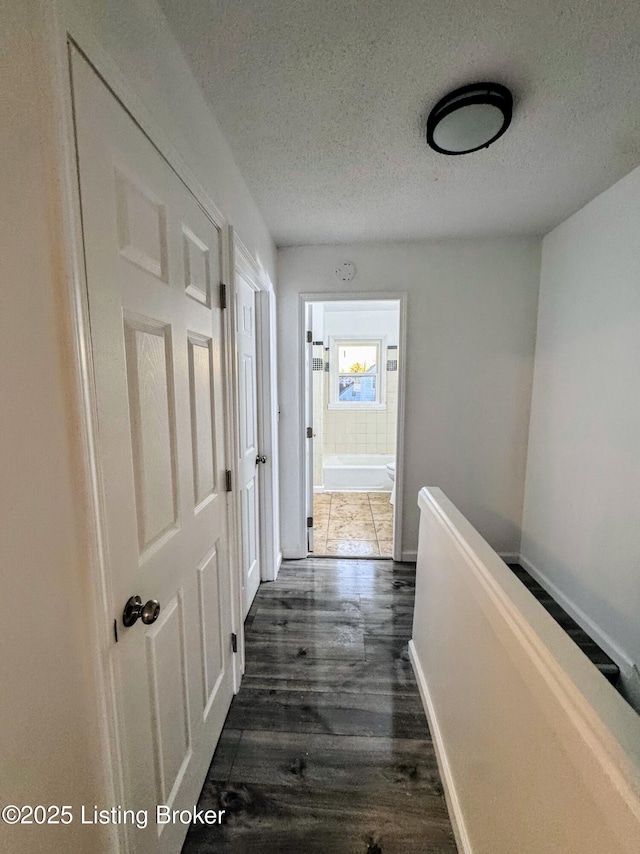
column 153, row 270
column 246, row 335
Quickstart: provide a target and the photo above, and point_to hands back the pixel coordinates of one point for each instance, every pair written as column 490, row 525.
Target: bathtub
column 357, row 472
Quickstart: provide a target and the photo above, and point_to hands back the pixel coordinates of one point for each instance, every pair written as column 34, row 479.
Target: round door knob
column 134, row 609
column 150, row 612
column 261, row 459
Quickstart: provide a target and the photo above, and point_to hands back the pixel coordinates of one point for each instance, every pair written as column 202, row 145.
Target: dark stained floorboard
column 282, row 648
column 275, row 819
column 309, row 674
column 326, row 747
column 341, row 762
column 323, row 712
column 594, row 653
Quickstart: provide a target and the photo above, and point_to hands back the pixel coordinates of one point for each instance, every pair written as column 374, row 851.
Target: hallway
column 326, row 747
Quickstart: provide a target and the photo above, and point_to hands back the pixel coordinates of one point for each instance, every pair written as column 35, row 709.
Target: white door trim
column 364, row 296
column 258, row 279
column 271, row 557
column 65, row 31
column 231, row 436
column 307, row 405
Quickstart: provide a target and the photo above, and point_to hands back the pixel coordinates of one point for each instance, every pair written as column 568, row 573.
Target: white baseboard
column 450, row 794
column 597, row 634
column 290, row 554
column 410, row 556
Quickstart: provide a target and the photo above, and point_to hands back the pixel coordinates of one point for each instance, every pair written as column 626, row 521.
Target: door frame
column 309, row 443
column 268, row 415
column 64, row 33
column 359, row 296
column 243, row 263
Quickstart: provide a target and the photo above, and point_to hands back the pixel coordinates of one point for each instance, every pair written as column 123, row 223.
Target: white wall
column 582, row 506
column 350, row 318
column 377, row 324
column 48, row 720
column 470, row 342
column 49, row 745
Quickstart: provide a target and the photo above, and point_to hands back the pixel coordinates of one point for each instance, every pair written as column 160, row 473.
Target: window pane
column 358, row 389
column 357, row 358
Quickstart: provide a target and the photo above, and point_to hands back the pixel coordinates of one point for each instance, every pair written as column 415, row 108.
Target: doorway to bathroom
column 353, row 388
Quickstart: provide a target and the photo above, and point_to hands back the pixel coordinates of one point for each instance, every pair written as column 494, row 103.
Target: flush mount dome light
column 470, row 118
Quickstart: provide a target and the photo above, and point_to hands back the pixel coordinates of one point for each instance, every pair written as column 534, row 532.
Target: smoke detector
column 346, row 271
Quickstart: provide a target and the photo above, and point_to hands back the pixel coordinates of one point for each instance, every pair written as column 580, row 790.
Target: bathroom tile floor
column 353, row 524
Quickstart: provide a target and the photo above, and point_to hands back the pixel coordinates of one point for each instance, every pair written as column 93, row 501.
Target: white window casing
column 379, row 403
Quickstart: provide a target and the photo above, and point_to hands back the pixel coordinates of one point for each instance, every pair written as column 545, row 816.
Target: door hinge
column 223, row 295
column 115, row 630
column 234, row 641
column 309, row 521
column 227, row 476
column 309, row 337
column 309, row 432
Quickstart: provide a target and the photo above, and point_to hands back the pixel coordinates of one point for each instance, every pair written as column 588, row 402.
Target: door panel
column 152, row 260
column 248, row 468
column 168, row 680
column 152, row 416
column 202, row 417
column 197, row 266
column 142, row 227
column 250, row 505
column 248, row 430
column 210, row 623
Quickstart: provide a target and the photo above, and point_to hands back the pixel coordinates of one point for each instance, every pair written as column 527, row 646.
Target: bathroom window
column 356, row 381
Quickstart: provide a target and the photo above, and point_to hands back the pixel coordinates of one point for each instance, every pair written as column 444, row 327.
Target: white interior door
column 246, row 336
column 152, row 262
column 308, row 409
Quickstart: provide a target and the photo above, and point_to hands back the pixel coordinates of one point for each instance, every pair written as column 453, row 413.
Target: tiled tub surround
column 318, row 411
column 350, row 524
column 352, row 431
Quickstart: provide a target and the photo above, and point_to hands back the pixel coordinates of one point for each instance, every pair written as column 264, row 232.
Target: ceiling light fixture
column 470, row 118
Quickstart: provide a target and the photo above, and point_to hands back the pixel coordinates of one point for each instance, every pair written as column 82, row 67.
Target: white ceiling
column 324, row 105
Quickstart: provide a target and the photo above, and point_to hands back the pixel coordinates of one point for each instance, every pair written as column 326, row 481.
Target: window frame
column 334, row 402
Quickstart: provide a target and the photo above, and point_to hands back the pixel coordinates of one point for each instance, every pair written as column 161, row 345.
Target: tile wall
column 351, row 431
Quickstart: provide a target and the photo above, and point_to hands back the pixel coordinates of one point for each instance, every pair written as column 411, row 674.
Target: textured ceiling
column 324, row 105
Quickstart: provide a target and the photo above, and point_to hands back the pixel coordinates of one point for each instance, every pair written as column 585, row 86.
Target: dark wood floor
column 326, row 747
